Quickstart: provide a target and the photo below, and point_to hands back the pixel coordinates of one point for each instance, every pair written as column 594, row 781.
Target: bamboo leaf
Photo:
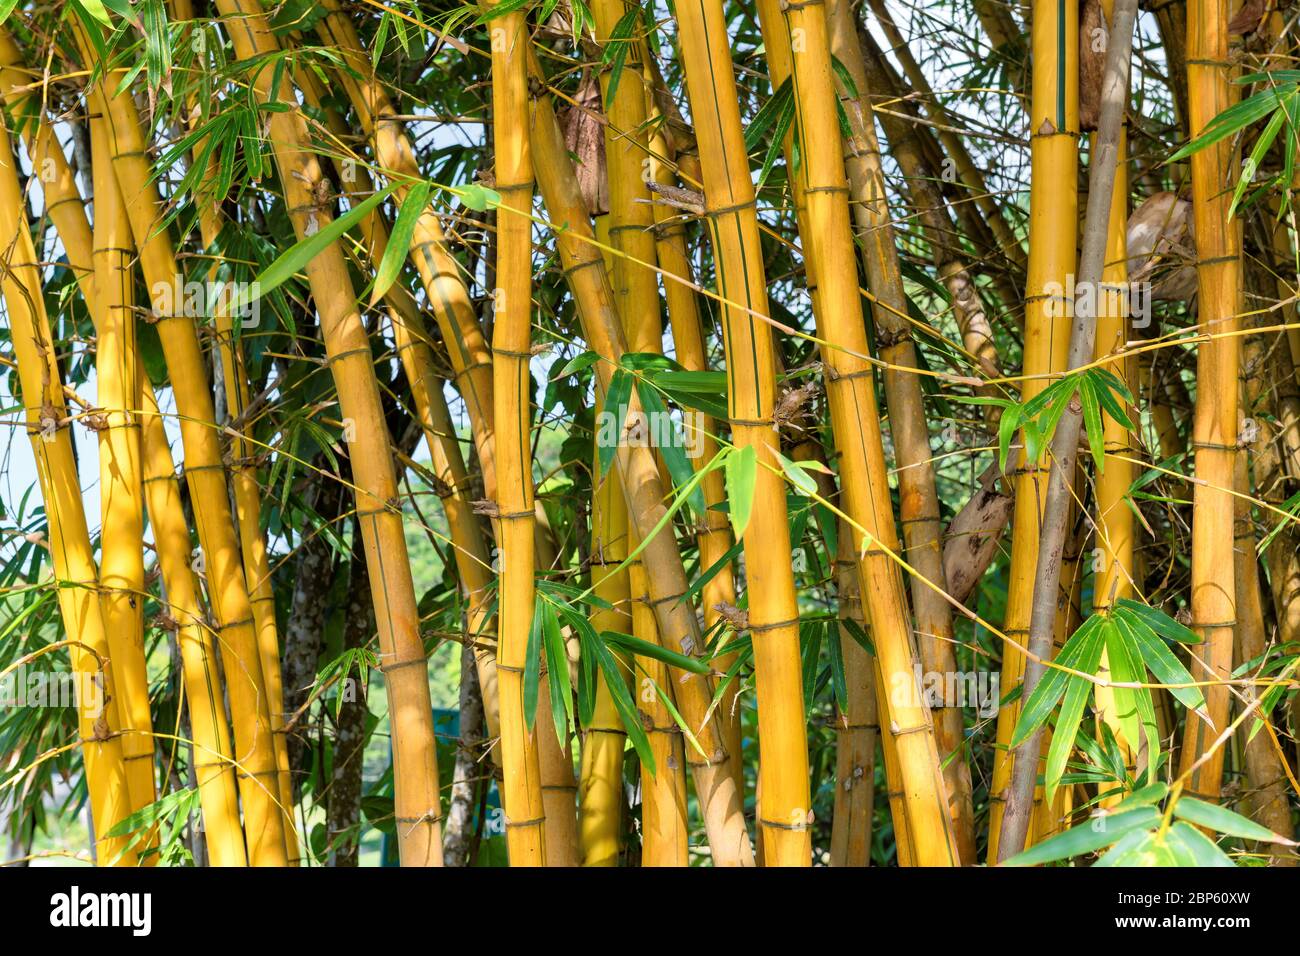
column 1200, row 849
column 670, row 446
column 618, row 692
column 1092, row 421
column 399, row 241
column 533, row 663
column 1222, row 820
column 616, row 400
column 557, row 671
column 1158, row 621
column 1161, row 661
column 1006, row 433
column 1133, row 706
column 1077, row 693
column 1051, row 686
column 741, row 473
column 658, row 652
column 1087, row 837
column 803, row 482
column 296, row 257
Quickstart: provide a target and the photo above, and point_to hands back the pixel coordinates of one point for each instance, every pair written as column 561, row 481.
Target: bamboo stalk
column 751, row 396
column 471, row 543
column 600, row 795
column 828, row 246
column 1267, row 797
column 664, row 829
column 713, row 531
column 1214, row 439
column 213, row 771
column 1053, row 223
column 857, row 727
column 919, row 498
column 440, row 274
column 417, row 804
column 512, row 387
column 248, row 514
column 204, row 473
column 868, row 67
column 211, row 734
column 1114, row 508
column 121, row 492
column 75, row 575
column 1043, row 623
column 714, row 778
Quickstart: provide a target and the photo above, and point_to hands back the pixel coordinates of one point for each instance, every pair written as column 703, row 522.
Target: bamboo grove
column 589, row 432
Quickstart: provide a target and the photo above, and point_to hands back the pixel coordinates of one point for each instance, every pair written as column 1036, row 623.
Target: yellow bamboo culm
column 600, row 794
column 470, row 542
column 121, row 493
column 751, row 396
column 918, row 495
column 1114, row 512
column 219, row 554
column 828, row 246
column 1053, row 224
column 644, row 493
column 418, row 813
column 75, row 575
column 248, row 512
column 1214, row 427
column 713, row 530
column 440, row 273
column 664, row 829
column 512, row 387
column 214, row 771
column 857, row 727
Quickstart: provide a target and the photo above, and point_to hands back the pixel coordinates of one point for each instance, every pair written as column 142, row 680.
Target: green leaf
column 609, row 669
column 399, row 241
column 296, row 257
column 617, row 47
column 557, row 671
column 1232, row 120
column 1087, row 837
column 477, row 197
column 1052, row 684
column 576, row 364
column 93, row 7
column 658, row 652
column 803, row 482
column 533, row 663
column 1133, row 706
column 1141, row 848
column 1146, row 796
column 1161, row 661
column 1007, row 425
column 1222, row 820
column 1200, row 849
column 671, row 446
column 741, row 474
column 1092, row 421
column 1077, row 693
column 616, row 400
column 1158, row 621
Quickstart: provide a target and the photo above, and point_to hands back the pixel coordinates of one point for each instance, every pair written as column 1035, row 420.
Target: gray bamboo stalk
column 1065, row 443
